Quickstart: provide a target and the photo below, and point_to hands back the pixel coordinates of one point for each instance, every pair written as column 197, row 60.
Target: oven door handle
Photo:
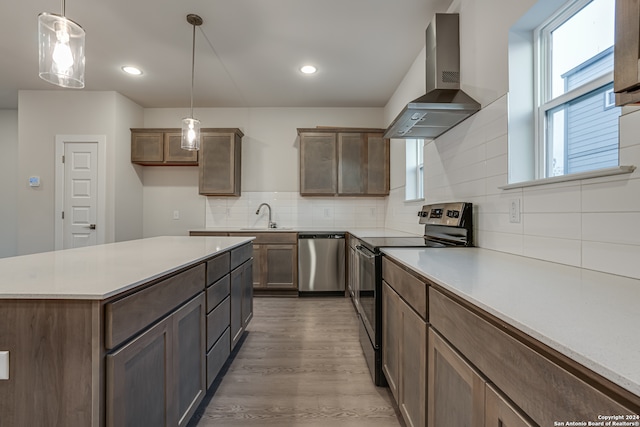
column 361, row 250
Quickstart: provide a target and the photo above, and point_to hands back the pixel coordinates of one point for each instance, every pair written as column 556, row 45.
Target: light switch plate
column 4, row 365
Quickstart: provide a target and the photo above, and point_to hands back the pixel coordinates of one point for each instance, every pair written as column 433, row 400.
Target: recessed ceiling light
column 132, row 70
column 308, row 69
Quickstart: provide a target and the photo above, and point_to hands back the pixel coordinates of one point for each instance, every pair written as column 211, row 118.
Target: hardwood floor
column 300, row 365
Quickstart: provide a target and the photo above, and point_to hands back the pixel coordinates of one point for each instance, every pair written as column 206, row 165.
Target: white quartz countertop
column 356, row 231
column 99, row 272
column 589, row 316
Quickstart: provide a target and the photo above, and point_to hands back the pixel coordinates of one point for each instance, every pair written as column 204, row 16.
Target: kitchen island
column 128, row 333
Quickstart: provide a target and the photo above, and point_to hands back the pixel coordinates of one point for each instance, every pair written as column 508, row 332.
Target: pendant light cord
column 63, row 11
column 193, row 62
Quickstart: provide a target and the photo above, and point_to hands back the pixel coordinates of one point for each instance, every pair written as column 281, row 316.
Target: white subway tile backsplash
column 620, row 195
column 496, row 146
column 497, row 165
column 503, row 242
column 618, row 227
column 555, row 225
column 493, row 184
column 498, row 222
column 289, row 209
column 612, row 258
column 564, row 251
column 561, row 197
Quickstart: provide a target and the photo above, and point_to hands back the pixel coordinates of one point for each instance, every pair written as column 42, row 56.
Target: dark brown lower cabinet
column 189, row 348
column 158, row 378
column 404, row 359
column 241, row 300
column 500, row 413
column 275, row 261
column 456, row 390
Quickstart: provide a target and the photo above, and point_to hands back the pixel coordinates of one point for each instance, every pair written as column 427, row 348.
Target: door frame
column 101, row 209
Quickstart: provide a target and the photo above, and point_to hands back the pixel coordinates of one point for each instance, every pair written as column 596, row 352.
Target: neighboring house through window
column 575, row 120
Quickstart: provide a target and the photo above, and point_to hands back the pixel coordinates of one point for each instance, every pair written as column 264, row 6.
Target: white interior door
column 80, row 194
column 80, row 199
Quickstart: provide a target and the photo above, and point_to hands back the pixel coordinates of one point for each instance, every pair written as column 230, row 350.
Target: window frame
column 543, row 86
column 414, row 170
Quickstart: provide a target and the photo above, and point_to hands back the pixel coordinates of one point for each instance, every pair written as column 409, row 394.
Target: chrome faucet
column 271, row 223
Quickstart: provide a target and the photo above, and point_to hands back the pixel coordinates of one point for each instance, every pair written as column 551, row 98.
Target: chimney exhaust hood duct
column 445, row 104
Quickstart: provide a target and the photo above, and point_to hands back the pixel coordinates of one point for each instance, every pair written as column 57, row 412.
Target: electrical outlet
column 176, row 214
column 327, row 213
column 372, row 212
column 514, row 211
column 4, row 365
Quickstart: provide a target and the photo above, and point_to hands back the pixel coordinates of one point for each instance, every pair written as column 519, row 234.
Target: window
column 576, row 120
column 414, row 188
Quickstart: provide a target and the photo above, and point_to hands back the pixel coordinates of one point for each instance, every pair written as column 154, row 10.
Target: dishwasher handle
column 321, row 236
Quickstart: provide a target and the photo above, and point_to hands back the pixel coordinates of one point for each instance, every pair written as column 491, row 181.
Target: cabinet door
column 391, row 338
column 140, row 380
column 236, row 305
column 351, row 164
column 147, row 147
column 219, row 164
column 247, row 293
column 456, row 391
column 189, row 354
column 259, row 266
column 377, row 165
column 500, row 413
column 282, row 266
column 174, row 154
column 318, row 164
column 413, row 367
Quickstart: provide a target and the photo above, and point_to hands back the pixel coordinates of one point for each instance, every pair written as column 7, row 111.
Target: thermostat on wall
column 34, row 181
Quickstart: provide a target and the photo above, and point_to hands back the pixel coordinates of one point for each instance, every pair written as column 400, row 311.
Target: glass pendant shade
column 190, row 134
column 61, row 51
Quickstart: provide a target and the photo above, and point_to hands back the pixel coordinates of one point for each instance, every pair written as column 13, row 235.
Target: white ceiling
column 247, row 51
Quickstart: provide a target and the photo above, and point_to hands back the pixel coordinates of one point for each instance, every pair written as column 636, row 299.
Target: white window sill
column 414, row 201
column 618, row 170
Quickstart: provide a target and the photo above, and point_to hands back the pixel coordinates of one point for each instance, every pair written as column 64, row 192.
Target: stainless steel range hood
column 445, row 104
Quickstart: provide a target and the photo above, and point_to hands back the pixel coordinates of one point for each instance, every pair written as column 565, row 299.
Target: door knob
column 91, row 226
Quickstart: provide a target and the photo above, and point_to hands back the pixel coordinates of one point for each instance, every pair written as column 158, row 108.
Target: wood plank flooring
column 300, row 365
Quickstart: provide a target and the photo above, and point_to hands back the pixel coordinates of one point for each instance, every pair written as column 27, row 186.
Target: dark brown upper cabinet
column 160, row 147
column 220, row 162
column 343, row 162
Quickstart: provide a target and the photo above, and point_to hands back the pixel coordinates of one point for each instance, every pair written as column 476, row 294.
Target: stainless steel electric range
column 446, row 225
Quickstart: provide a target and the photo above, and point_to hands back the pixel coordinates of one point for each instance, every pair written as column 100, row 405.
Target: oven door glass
column 367, row 290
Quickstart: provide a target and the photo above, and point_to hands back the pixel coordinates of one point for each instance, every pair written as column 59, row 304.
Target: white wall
column 41, row 116
column 588, row 223
column 127, row 203
column 269, row 164
column 8, row 183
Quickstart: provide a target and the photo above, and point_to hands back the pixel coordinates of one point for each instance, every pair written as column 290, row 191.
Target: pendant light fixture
column 61, row 50
column 190, row 125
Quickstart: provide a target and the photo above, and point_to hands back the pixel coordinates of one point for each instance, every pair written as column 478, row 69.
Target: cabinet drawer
column 218, row 267
column 240, row 255
column 538, row 385
column 217, row 292
column 217, row 356
column 273, row 237
column 218, row 320
column 126, row 316
column 409, row 287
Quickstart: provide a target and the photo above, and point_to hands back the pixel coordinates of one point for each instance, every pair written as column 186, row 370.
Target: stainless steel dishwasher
column 321, row 259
